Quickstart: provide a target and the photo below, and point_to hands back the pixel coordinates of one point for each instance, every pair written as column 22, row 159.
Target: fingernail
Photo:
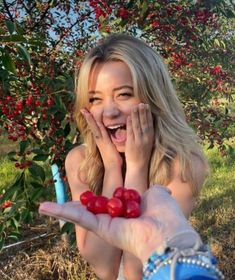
column 135, row 110
column 84, row 112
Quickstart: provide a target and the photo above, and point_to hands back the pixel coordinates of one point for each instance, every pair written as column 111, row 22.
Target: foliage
column 42, row 42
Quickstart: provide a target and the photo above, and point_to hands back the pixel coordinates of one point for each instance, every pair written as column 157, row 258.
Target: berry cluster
column 124, row 203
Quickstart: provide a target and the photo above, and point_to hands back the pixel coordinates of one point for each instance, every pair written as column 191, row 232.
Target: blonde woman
column 134, row 134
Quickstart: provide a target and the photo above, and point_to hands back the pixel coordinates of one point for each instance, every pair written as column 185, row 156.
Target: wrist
column 136, row 178
column 190, row 260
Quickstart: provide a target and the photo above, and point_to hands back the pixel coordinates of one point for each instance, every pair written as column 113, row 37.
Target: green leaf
column 42, row 157
column 144, row 10
column 12, row 189
column 11, row 156
column 217, row 42
column 2, row 241
column 37, row 170
column 36, row 185
column 13, row 38
column 26, row 215
column 19, row 29
column 13, row 236
column 67, row 130
column 8, row 63
column 60, row 104
column 67, row 227
column 15, row 223
column 37, row 151
column 24, row 53
column 37, row 194
column 23, row 145
column 10, row 26
column 2, row 227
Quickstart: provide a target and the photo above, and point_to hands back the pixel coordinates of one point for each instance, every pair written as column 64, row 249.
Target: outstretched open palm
column 161, row 218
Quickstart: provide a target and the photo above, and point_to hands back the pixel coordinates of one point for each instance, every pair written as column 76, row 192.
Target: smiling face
column 111, row 98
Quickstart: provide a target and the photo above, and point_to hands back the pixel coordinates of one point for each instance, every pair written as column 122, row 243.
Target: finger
column 149, row 117
column 71, row 212
column 136, row 127
column 129, row 130
column 92, row 124
column 143, row 118
column 103, row 131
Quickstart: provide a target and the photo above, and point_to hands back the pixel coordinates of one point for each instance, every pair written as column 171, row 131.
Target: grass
column 214, row 218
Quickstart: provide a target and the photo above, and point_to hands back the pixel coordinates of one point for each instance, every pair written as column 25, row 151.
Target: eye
column 125, row 95
column 94, row 100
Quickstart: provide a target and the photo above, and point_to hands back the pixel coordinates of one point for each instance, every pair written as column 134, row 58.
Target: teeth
column 115, row 126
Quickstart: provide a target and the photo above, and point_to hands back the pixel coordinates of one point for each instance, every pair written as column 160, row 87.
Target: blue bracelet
column 184, row 264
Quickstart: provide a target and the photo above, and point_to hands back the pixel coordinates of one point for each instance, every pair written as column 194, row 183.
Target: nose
column 111, row 109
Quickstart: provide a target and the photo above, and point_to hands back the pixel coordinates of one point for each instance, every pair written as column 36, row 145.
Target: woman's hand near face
column 139, row 144
column 111, row 158
column 108, row 151
column 139, row 136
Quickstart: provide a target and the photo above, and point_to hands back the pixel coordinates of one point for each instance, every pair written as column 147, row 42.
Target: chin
column 121, row 148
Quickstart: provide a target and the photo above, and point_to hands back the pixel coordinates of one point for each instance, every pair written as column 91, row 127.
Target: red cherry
column 29, row 100
column 50, row 102
column 19, row 106
column 37, row 103
column 132, row 209
column 119, row 192
column 91, row 204
column 6, row 204
column 17, row 164
column 86, row 196
column 115, row 207
column 131, row 194
column 100, row 205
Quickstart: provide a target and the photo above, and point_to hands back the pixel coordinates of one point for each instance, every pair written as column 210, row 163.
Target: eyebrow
column 115, row 89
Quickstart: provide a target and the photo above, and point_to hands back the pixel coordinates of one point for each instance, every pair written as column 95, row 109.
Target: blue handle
column 60, row 189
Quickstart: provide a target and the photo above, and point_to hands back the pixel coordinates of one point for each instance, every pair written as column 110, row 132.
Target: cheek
column 127, row 110
column 96, row 113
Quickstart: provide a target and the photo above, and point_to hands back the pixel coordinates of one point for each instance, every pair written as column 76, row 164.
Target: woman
column 135, row 135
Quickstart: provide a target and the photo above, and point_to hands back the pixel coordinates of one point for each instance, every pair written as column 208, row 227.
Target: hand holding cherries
column 124, row 203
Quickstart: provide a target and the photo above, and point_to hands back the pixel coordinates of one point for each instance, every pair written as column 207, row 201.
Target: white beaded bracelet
column 198, row 256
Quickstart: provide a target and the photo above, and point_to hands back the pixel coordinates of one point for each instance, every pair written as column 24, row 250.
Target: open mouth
column 117, row 133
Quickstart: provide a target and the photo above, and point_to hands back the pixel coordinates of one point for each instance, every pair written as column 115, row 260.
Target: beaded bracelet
column 197, row 260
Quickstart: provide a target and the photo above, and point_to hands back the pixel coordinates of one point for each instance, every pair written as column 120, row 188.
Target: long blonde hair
column 152, row 84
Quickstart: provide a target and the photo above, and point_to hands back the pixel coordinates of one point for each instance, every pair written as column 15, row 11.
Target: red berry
column 119, row 192
column 132, row 209
column 100, row 205
column 86, row 196
column 29, row 101
column 37, row 103
column 17, row 164
column 19, row 106
column 6, row 204
column 115, row 207
column 131, row 194
column 91, row 204
column 50, row 102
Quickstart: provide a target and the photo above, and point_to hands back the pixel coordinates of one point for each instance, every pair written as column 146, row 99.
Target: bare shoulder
column 72, row 165
column 199, row 168
column 183, row 190
column 75, row 156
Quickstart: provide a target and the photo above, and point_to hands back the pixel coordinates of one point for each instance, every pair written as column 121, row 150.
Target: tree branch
column 8, row 12
column 43, row 15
